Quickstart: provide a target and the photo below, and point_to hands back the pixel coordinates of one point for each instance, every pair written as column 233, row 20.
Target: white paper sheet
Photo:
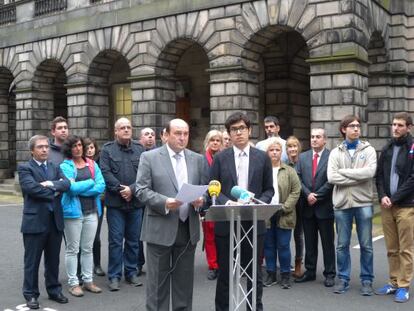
column 189, row 193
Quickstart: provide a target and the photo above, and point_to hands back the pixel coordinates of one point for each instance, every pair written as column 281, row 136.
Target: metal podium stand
column 238, row 213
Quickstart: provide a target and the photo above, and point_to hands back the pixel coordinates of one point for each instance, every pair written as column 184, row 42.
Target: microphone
column 244, row 196
column 214, row 189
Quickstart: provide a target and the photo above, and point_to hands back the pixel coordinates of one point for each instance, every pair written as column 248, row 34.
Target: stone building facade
column 310, row 62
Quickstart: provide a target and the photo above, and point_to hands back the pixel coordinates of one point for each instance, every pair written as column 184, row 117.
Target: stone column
column 153, row 102
column 338, row 88
column 88, row 110
column 234, row 89
column 4, row 140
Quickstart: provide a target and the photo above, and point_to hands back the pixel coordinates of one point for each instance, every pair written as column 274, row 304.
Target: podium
column 235, row 214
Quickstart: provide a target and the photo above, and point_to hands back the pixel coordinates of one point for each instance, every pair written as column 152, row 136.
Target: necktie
column 314, row 168
column 44, row 169
column 181, row 176
column 242, row 171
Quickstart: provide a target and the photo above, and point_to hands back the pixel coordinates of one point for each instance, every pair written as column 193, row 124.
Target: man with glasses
column 250, row 169
column 272, row 129
column 119, row 164
column 351, row 168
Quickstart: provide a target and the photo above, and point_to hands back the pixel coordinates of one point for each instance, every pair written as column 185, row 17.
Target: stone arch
column 7, row 124
column 109, row 93
column 377, row 22
column 49, row 94
column 276, row 56
column 379, row 92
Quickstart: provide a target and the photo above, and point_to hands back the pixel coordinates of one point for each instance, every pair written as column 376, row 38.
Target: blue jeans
column 277, row 242
column 124, row 230
column 363, row 221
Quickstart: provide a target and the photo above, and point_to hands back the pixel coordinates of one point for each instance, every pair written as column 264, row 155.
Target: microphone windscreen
column 237, row 192
column 214, row 188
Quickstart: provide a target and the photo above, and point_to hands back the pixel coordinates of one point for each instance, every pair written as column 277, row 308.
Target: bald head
column 147, row 138
column 177, row 133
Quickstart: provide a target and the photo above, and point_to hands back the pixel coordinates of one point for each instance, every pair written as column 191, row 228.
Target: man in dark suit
column 170, row 228
column 318, row 215
column 42, row 225
column 250, row 169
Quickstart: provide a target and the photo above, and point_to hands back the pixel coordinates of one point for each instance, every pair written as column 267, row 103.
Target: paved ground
column 310, row 296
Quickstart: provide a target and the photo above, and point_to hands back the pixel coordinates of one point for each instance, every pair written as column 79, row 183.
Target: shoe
column 402, row 295
column 90, row 287
column 212, row 274
column 341, row 287
column 113, row 285
column 387, row 289
column 271, row 279
column 285, row 280
column 32, row 303
column 133, row 280
column 307, row 277
column 329, row 281
column 366, row 289
column 59, row 298
column 140, row 271
column 76, row 291
column 98, row 271
column 298, row 272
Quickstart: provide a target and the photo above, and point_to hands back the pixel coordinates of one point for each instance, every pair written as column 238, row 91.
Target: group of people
column 68, row 181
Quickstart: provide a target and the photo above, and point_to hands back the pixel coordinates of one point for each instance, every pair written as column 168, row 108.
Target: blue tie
column 44, row 169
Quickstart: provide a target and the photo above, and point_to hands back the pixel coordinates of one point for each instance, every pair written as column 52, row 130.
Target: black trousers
column 325, row 227
column 222, row 287
column 49, row 243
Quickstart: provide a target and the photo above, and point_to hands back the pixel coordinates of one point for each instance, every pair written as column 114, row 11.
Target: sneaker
column 76, row 291
column 212, row 274
column 387, row 289
column 341, row 287
column 113, row 285
column 271, row 279
column 133, row 280
column 90, row 287
column 402, row 295
column 285, row 281
column 366, row 289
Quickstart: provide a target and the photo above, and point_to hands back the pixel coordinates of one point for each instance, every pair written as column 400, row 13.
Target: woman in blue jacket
column 81, row 209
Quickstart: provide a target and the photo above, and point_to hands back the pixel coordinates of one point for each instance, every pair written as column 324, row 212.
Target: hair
column 34, row 139
column 272, row 141
column 273, row 119
column 57, row 120
column 346, row 121
column 236, row 117
column 404, row 116
column 210, row 135
column 68, row 144
column 87, row 141
column 293, row 140
column 319, row 129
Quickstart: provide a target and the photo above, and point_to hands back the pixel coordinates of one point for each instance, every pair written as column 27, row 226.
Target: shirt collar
column 319, row 153
column 172, row 153
column 237, row 150
column 40, row 163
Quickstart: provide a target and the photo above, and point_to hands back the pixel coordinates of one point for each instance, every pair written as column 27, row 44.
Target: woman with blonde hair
column 287, row 188
column 213, row 143
column 293, row 149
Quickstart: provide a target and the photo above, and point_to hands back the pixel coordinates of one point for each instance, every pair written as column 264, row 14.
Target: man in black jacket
column 395, row 184
column 119, row 164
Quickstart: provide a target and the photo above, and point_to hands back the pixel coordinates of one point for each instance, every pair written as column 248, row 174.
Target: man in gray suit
column 170, row 228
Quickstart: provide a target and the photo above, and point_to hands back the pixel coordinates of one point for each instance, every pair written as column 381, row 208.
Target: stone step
column 8, row 187
column 8, row 181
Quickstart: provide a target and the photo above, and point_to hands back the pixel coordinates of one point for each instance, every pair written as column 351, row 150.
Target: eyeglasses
column 235, row 130
column 355, row 126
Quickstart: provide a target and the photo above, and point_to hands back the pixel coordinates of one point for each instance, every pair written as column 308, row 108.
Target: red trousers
column 210, row 244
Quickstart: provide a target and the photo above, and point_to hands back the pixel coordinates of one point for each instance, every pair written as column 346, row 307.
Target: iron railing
column 43, row 7
column 7, row 13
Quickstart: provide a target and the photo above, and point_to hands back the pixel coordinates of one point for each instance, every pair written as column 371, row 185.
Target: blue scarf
column 351, row 145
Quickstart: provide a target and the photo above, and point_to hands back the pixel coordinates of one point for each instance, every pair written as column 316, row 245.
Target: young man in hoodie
column 395, row 184
column 59, row 131
column 351, row 168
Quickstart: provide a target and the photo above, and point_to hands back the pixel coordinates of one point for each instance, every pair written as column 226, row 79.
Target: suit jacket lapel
column 308, row 170
column 232, row 165
column 40, row 175
column 322, row 161
column 191, row 166
column 252, row 159
column 165, row 158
